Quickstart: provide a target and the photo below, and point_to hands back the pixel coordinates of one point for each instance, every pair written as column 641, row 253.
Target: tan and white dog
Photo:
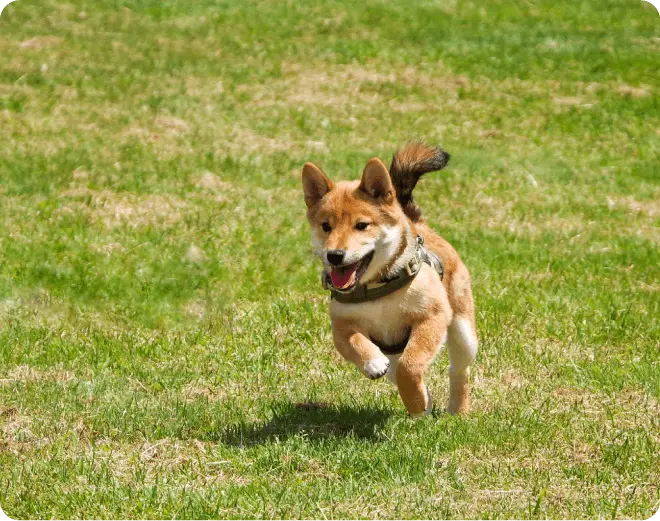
column 368, row 234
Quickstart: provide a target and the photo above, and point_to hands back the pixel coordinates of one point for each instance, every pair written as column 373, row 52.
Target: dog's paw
column 376, row 368
column 429, row 407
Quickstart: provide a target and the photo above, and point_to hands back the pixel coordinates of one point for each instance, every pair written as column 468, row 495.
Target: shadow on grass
column 313, row 420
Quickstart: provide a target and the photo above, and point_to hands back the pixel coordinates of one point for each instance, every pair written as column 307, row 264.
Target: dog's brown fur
column 431, row 309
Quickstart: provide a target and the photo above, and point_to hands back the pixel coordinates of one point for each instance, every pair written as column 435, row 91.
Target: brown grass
column 113, row 209
column 210, row 181
column 26, row 373
column 41, row 42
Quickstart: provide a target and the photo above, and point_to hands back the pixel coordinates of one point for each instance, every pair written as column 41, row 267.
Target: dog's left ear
column 376, row 180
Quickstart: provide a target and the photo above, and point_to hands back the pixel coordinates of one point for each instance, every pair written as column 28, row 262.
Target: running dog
column 399, row 291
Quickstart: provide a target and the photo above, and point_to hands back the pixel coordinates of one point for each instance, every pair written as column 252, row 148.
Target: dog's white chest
column 388, row 319
column 381, row 319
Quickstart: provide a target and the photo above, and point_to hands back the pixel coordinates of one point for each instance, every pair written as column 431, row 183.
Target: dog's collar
column 366, row 292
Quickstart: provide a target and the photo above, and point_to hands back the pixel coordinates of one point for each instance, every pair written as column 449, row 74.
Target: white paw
column 376, row 368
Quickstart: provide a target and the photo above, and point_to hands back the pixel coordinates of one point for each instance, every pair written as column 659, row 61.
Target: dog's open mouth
column 346, row 277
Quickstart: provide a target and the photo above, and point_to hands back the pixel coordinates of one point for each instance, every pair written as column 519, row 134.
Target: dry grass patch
column 26, row 373
column 172, row 125
column 210, row 181
column 140, row 133
column 652, row 43
column 175, row 462
column 571, row 101
column 564, row 224
column 16, row 434
column 194, row 391
column 318, row 87
column 315, row 88
column 582, row 94
column 625, row 409
column 36, row 308
column 500, row 214
column 494, row 212
column 113, row 209
column 244, row 141
column 650, row 208
column 41, row 42
column 195, row 255
column 635, row 92
column 107, row 249
column 342, row 85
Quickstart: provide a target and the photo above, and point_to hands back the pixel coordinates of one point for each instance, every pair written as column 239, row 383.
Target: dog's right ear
column 315, row 184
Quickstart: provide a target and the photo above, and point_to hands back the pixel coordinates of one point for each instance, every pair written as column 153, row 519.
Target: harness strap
column 366, row 292
column 393, row 349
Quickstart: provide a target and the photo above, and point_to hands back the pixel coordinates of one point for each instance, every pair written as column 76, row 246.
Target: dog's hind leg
column 462, row 345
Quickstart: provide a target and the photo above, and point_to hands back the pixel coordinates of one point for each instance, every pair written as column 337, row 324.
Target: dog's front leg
column 358, row 349
column 426, row 339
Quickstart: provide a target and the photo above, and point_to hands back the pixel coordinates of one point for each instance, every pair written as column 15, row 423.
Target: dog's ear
column 376, row 180
column 315, row 184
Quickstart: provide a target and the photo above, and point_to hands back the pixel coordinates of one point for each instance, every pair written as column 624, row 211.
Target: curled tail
column 409, row 163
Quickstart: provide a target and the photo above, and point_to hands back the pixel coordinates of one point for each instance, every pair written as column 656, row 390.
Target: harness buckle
column 413, row 266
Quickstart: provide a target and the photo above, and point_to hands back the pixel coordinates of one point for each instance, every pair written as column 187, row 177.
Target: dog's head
column 358, row 227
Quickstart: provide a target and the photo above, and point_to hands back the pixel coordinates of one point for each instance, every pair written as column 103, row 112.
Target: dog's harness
column 393, row 349
column 367, row 292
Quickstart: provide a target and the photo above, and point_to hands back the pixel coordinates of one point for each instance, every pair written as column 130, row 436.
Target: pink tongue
column 343, row 279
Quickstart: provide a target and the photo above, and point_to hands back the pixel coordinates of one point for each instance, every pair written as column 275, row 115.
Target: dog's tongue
column 344, row 278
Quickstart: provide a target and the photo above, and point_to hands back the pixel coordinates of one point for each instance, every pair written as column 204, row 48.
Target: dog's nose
column 335, row 257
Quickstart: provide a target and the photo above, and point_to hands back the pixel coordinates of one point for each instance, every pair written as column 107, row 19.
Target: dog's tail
column 409, row 163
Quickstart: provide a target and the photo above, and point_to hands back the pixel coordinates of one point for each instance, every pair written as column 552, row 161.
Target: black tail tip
column 409, row 163
column 417, row 158
column 441, row 159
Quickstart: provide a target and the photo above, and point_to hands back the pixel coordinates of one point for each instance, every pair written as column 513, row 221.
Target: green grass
column 165, row 349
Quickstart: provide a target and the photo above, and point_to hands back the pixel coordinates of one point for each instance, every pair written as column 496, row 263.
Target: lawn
column 165, row 349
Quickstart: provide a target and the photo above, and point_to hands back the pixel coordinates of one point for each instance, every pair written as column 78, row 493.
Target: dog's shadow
column 313, row 420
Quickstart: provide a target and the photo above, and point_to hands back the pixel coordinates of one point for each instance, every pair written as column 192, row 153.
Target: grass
column 165, row 349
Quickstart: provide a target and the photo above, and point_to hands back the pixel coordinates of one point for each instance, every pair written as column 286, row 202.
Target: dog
column 399, row 291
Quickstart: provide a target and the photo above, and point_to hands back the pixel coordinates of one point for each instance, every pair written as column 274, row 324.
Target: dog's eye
column 361, row 226
column 326, row 227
